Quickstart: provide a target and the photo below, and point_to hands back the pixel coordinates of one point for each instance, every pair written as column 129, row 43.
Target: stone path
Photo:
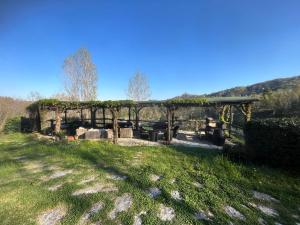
column 202, row 215
column 87, row 180
column 98, row 187
column 122, row 203
column 55, row 187
column 116, row 176
column 94, row 209
column 176, row 195
column 266, row 210
column 154, row 177
column 52, row 216
column 166, row 213
column 233, row 213
column 56, row 174
column 154, row 192
column 264, row 197
column 138, row 218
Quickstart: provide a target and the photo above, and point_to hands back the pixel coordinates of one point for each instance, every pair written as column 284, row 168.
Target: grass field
column 100, row 183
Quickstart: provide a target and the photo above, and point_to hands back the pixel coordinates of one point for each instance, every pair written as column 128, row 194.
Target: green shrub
column 235, row 151
column 275, row 142
column 12, row 125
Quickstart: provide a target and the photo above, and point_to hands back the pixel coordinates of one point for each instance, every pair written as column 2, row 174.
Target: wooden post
column 169, row 126
column 103, row 116
column 230, row 120
column 173, row 118
column 115, row 114
column 129, row 114
column 93, row 117
column 57, row 120
column 38, row 120
column 81, row 116
column 137, row 118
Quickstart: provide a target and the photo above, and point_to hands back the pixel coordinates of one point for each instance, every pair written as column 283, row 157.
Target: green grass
column 23, row 195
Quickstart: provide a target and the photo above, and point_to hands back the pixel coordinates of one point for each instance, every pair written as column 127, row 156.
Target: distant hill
column 258, row 88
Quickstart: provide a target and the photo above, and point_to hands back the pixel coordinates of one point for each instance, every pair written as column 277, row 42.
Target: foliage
column 187, row 101
column 12, row 125
column 274, row 141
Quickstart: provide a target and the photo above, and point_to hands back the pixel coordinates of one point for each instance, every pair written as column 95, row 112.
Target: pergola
column 222, row 104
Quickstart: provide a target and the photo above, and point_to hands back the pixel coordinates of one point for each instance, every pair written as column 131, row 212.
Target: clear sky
column 196, row 46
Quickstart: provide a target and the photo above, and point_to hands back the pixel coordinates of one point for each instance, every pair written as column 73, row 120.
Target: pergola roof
column 52, row 104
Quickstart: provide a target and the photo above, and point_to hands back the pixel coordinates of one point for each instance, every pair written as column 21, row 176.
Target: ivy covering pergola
column 222, row 104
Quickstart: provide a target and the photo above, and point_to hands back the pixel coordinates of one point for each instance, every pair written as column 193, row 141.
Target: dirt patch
column 52, row 216
column 166, row 213
column 122, row 203
column 94, row 209
column 154, row 192
column 233, row 213
column 264, row 197
column 99, row 187
column 138, row 218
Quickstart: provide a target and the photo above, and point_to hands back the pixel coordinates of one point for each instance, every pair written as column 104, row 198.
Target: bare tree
column 138, row 88
column 80, row 76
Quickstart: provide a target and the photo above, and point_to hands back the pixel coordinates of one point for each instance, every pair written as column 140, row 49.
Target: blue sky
column 196, row 46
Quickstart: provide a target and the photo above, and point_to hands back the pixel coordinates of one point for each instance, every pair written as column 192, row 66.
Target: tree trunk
column 169, row 126
column 57, row 120
column 115, row 113
column 103, row 116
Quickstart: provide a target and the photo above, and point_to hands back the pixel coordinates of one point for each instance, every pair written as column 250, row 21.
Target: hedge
column 12, row 125
column 275, row 142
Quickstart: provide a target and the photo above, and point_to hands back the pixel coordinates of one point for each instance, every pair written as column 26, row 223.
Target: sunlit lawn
column 206, row 181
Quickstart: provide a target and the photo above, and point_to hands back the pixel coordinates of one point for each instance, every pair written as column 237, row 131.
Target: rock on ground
column 233, row 213
column 154, row 192
column 264, row 197
column 201, row 215
column 266, row 210
column 176, row 195
column 99, row 187
column 94, row 209
column 55, row 187
column 138, row 218
column 154, row 177
column 52, row 216
column 116, row 177
column 122, row 203
column 57, row 174
column 166, row 213
column 197, row 184
column 87, row 180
